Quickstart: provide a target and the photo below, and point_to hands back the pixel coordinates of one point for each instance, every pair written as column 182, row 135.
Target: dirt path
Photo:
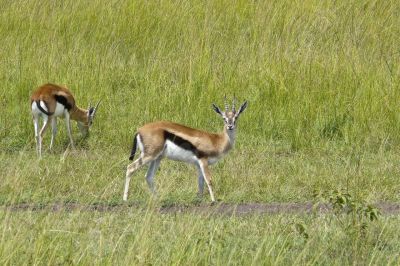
column 386, row 208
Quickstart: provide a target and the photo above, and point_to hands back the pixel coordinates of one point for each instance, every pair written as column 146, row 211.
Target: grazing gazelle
column 177, row 142
column 50, row 101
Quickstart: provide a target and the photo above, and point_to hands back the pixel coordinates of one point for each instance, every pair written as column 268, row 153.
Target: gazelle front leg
column 68, row 123
column 203, row 164
column 53, row 130
column 151, row 172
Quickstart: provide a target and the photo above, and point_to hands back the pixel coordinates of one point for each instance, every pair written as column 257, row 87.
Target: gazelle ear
column 216, row 109
column 92, row 110
column 242, row 108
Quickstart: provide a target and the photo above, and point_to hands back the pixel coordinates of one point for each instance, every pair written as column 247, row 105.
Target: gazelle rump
column 177, row 142
column 50, row 101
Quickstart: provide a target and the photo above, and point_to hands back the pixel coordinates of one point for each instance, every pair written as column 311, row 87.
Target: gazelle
column 177, row 142
column 50, row 101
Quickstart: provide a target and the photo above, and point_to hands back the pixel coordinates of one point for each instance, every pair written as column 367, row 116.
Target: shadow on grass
column 199, row 207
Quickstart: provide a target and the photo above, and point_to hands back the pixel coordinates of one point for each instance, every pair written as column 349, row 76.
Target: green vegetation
column 126, row 238
column 323, row 83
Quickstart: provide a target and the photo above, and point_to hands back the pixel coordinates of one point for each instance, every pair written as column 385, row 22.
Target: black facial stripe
column 61, row 99
column 184, row 144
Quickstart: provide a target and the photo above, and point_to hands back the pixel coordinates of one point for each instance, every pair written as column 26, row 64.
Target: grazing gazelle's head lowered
column 177, row 142
column 50, row 101
column 91, row 112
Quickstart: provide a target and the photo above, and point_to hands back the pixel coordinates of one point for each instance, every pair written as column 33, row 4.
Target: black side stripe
column 184, row 144
column 61, row 99
column 42, row 110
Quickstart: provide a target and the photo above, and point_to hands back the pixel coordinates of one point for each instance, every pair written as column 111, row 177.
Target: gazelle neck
column 230, row 136
column 80, row 115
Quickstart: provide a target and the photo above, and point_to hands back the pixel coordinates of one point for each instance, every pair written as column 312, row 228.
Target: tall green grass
column 312, row 71
column 132, row 238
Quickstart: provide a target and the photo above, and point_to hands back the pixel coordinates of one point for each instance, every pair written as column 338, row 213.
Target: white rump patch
column 35, row 109
column 140, row 144
column 59, row 111
column 43, row 105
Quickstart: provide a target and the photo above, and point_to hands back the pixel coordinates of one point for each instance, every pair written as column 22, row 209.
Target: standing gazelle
column 51, row 101
column 177, row 142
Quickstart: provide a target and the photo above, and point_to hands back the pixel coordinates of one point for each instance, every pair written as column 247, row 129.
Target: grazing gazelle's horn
column 97, row 105
column 233, row 104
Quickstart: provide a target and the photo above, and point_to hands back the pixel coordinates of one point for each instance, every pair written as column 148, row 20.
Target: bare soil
column 386, row 208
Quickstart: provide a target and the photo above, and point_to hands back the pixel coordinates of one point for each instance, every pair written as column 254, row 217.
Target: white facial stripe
column 229, row 120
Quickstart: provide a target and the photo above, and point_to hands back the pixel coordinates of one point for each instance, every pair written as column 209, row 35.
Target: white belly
column 174, row 152
column 60, row 109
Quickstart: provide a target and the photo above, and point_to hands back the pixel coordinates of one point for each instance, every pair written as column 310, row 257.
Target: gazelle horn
column 97, row 105
column 226, row 104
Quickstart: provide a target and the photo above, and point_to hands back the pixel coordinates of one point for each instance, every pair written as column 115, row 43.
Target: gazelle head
column 91, row 112
column 230, row 116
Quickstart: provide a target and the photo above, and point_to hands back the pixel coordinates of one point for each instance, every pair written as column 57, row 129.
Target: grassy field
column 126, row 238
column 322, row 79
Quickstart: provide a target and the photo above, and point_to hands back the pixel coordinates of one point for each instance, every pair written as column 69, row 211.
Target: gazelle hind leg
column 203, row 164
column 130, row 170
column 200, row 182
column 45, row 125
column 151, row 172
column 37, row 135
column 39, row 138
